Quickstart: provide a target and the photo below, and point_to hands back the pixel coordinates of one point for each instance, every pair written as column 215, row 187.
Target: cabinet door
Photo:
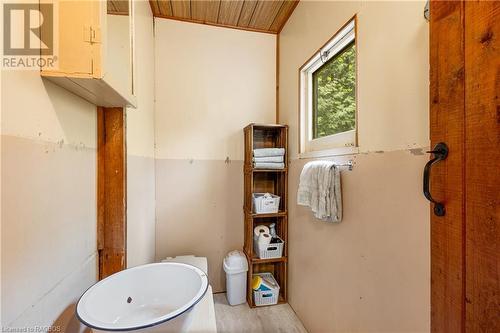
column 77, row 38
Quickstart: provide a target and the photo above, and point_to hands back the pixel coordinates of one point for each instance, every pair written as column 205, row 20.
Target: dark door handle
column 440, row 153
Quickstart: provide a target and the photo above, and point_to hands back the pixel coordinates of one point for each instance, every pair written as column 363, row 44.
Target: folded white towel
column 263, row 152
column 268, row 165
column 273, row 159
column 320, row 189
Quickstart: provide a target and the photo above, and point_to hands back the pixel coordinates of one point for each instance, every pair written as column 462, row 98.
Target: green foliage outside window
column 334, row 94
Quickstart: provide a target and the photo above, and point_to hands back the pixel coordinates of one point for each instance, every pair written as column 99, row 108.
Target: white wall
column 210, row 83
column 369, row 273
column 48, row 199
column 140, row 146
column 372, row 270
column 392, row 51
column 48, row 193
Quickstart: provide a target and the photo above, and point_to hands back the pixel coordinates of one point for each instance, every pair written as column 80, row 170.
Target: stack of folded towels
column 269, row 158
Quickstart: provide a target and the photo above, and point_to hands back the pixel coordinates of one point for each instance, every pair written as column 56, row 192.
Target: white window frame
column 341, row 142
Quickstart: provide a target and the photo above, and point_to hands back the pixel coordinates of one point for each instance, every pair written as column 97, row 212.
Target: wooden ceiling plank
column 284, row 14
column 165, row 7
column 117, row 7
column 229, row 12
column 264, row 14
column 268, row 16
column 205, row 10
column 110, row 7
column 283, row 4
column 155, row 7
column 121, row 5
column 247, row 12
column 181, row 8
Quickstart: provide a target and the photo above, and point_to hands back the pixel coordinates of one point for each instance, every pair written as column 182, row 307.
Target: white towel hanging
column 320, row 189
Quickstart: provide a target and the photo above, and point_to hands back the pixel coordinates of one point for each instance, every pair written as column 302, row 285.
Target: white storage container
column 268, row 297
column 265, row 203
column 236, row 266
column 273, row 250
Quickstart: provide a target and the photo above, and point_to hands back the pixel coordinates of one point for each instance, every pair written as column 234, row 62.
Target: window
column 328, row 94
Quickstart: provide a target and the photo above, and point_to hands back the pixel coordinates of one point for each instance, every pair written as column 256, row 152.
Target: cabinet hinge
column 91, row 34
column 87, row 33
column 96, row 35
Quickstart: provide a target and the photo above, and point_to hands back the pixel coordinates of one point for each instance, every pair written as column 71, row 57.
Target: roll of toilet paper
column 260, row 229
column 264, row 240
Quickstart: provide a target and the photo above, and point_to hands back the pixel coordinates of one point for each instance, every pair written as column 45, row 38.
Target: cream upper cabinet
column 93, row 45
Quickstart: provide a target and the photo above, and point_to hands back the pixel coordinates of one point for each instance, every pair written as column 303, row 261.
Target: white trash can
column 236, row 267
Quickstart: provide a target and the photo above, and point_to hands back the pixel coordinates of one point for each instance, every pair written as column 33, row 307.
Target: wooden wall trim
column 278, row 79
column 112, row 190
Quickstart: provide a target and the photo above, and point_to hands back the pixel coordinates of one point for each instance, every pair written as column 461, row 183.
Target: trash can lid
column 235, row 262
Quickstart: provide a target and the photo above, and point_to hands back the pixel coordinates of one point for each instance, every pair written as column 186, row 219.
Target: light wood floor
column 241, row 318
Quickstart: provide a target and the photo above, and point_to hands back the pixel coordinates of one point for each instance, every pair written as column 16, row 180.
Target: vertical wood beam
column 112, row 191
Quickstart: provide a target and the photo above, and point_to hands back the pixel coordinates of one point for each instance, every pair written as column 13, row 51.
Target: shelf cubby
column 279, row 270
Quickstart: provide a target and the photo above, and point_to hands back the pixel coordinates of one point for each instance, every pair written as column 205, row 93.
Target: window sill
column 330, row 152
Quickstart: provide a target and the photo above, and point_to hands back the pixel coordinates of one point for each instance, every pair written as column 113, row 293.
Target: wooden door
column 465, row 115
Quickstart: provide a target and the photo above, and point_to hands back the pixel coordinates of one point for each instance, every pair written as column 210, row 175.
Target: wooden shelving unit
column 272, row 181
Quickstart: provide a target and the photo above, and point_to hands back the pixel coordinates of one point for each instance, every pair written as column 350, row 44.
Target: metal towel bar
column 349, row 164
